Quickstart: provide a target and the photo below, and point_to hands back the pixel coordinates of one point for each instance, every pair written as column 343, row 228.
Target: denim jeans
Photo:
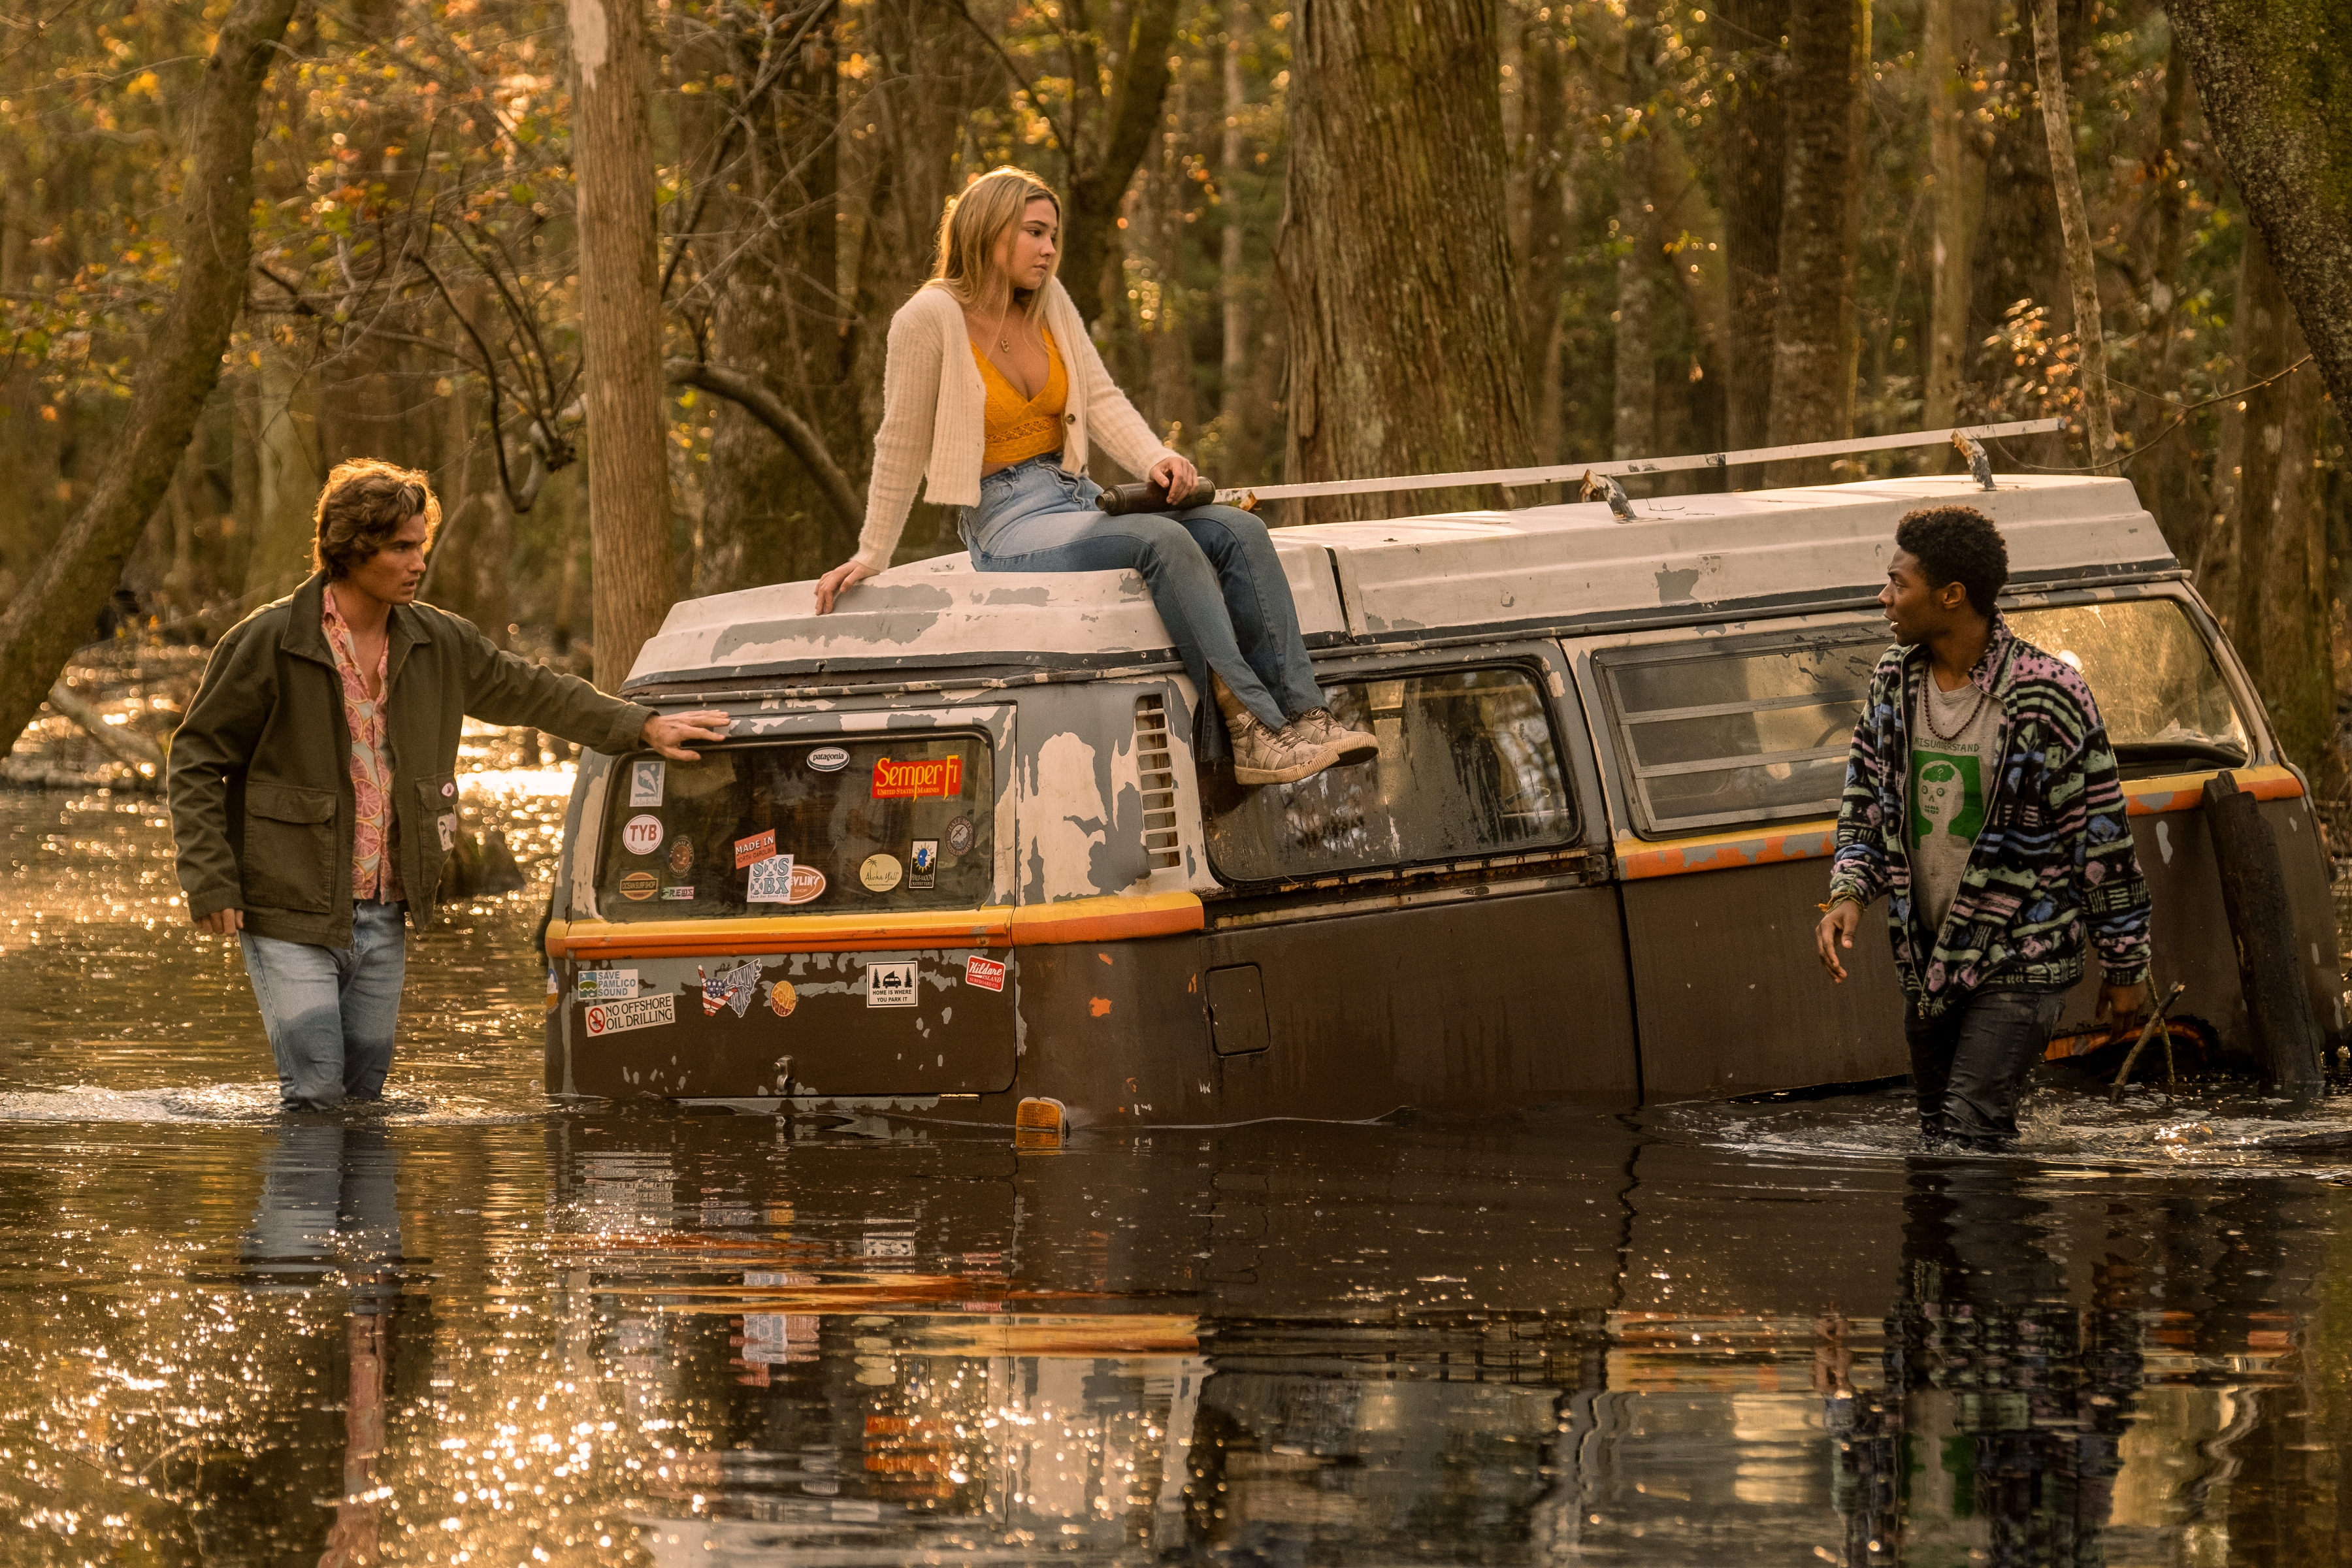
column 329, row 1203
column 331, row 1011
column 1970, row 1063
column 1211, row 570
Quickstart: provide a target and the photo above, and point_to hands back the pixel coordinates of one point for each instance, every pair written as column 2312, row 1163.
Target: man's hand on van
column 220, row 922
column 668, row 732
column 1836, row 930
column 839, row 580
column 2122, row 1006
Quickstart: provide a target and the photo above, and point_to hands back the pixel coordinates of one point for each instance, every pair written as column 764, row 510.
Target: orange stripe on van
column 1114, row 918
column 1818, row 840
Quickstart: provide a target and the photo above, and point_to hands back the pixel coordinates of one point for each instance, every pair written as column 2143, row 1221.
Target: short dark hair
column 362, row 506
column 1956, row 544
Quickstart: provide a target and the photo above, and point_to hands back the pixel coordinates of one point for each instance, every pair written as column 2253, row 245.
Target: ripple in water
column 231, row 1103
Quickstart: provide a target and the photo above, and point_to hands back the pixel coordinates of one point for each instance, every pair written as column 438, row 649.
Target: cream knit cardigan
column 934, row 410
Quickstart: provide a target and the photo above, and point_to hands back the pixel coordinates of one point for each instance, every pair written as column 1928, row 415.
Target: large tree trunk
column 1232, row 284
column 53, row 613
column 2074, row 227
column 2274, row 77
column 1394, row 256
column 1957, row 33
column 1814, row 318
column 1633, row 431
column 621, row 333
column 2279, row 591
column 1098, row 182
column 1543, row 260
column 2169, row 477
column 1754, row 173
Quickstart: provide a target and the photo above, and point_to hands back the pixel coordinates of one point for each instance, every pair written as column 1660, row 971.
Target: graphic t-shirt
column 1952, row 780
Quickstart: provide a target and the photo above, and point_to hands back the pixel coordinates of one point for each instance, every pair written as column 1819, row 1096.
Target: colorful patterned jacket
column 2054, row 854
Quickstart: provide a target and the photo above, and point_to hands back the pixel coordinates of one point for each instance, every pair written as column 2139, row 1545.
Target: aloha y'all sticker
column 881, row 873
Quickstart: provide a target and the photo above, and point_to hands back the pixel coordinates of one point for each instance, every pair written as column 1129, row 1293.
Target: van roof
column 1423, row 579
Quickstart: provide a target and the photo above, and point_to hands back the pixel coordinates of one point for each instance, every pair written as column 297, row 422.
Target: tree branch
column 756, row 398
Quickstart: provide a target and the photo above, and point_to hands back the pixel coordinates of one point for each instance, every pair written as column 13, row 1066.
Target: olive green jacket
column 262, row 806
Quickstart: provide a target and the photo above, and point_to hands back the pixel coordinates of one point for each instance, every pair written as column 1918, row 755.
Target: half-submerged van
column 963, row 850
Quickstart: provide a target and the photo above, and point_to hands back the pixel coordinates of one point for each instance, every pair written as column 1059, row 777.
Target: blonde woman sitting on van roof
column 991, row 392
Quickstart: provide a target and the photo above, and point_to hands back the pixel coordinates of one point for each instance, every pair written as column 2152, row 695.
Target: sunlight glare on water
column 468, row 1326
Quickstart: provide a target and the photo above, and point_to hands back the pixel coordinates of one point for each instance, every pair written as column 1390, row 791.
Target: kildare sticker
column 644, row 1013
column 645, row 782
column 891, row 985
column 772, row 880
column 607, row 984
column 641, row 834
column 923, row 865
column 986, row 973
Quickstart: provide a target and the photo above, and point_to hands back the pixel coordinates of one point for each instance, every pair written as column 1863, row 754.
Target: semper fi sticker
column 941, row 776
column 620, row 1017
column 986, row 973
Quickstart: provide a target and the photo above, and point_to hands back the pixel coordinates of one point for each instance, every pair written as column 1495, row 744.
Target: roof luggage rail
column 1969, row 438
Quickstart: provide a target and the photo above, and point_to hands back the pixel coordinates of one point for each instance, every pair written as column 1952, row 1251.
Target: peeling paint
column 1675, row 586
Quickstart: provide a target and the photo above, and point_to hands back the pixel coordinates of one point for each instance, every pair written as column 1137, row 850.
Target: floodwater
column 471, row 1329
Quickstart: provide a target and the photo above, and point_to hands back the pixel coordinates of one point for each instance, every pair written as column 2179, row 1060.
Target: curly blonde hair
column 362, row 505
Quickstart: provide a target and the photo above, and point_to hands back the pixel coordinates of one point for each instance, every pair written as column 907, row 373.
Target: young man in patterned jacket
column 1982, row 797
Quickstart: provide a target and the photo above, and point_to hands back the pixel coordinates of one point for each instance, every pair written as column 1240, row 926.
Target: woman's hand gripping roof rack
column 1599, row 479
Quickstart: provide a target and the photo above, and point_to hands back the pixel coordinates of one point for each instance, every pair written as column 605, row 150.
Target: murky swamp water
column 475, row 1330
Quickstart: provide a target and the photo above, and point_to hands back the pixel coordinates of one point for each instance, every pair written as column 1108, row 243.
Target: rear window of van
column 852, row 824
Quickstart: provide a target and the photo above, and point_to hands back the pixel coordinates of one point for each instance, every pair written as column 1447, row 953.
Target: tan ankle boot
column 1264, row 756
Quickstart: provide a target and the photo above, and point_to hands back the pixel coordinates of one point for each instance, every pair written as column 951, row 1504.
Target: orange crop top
column 1017, row 428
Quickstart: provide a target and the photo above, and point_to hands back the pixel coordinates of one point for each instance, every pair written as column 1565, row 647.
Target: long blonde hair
column 976, row 222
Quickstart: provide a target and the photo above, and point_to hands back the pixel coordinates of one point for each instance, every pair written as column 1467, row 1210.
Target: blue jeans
column 1969, row 1062
column 1213, row 574
column 331, row 1011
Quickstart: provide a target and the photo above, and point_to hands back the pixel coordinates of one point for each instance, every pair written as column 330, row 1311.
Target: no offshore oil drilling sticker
column 620, row 1017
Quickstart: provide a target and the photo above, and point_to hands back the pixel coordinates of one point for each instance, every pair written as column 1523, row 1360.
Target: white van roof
column 1444, row 577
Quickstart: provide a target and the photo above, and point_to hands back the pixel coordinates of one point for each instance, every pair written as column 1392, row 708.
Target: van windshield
column 2157, row 684
column 846, row 825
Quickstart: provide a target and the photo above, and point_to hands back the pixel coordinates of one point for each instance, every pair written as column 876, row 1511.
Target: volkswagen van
column 968, row 845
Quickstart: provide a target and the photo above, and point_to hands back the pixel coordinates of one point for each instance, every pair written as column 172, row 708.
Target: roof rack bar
column 1564, row 472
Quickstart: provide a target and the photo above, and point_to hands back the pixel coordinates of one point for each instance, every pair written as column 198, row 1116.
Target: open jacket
column 262, row 806
column 2055, row 857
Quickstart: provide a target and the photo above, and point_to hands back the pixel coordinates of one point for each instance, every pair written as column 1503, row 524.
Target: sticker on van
column 923, row 863
column 772, row 880
column 639, row 886
column 608, row 985
column 644, row 1013
column 645, row 782
column 759, row 847
column 891, row 985
column 987, row 974
column 940, row 776
column 808, row 883
column 828, row 759
column 641, row 834
column 881, row 873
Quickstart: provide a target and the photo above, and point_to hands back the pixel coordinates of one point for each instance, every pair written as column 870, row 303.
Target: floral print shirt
column 376, row 874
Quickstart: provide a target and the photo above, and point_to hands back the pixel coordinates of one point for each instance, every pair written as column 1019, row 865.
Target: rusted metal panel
column 1731, row 994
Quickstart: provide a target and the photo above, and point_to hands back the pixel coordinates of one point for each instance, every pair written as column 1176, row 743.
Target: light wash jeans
column 331, row 1011
column 329, row 1203
column 1211, row 570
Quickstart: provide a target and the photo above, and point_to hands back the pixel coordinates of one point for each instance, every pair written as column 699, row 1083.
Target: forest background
column 1603, row 227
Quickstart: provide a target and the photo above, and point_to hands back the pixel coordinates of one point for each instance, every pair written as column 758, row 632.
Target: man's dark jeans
column 1970, row 1063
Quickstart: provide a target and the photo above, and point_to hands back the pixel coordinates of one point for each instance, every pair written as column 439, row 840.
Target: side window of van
column 1737, row 730
column 1468, row 766
column 2158, row 689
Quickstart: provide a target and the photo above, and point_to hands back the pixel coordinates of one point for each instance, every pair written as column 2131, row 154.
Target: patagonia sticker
column 891, row 985
column 985, row 973
column 641, row 834
column 758, row 847
column 645, row 782
column 448, row 831
column 828, row 759
column 644, row 1013
column 881, row 873
column 608, row 985
column 734, row 988
column 941, row 776
column 960, row 836
column 772, row 880
column 783, row 999
column 923, row 863
column 679, row 894
column 681, row 855
column 639, row 885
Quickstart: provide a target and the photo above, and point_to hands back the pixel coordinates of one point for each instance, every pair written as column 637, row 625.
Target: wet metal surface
column 472, row 1330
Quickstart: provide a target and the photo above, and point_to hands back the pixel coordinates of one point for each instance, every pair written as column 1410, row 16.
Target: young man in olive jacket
column 314, row 792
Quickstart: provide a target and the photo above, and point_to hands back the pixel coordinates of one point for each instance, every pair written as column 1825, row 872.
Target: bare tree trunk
column 1393, row 256
column 2169, row 477
column 1813, row 320
column 1232, row 285
column 48, row 618
column 2279, row 593
column 2075, row 225
column 1633, row 425
column 1754, row 164
column 620, row 329
column 1957, row 32
column 1098, row 184
column 2278, row 101
column 1543, row 263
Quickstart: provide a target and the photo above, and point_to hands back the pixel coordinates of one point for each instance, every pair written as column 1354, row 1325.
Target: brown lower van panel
column 1731, row 993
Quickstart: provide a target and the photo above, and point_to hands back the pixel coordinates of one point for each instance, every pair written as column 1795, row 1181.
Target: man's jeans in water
column 1970, row 1063
column 331, row 1011
column 1213, row 574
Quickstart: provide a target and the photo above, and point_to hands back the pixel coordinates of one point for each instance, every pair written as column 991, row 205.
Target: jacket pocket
column 436, row 830
column 289, row 861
